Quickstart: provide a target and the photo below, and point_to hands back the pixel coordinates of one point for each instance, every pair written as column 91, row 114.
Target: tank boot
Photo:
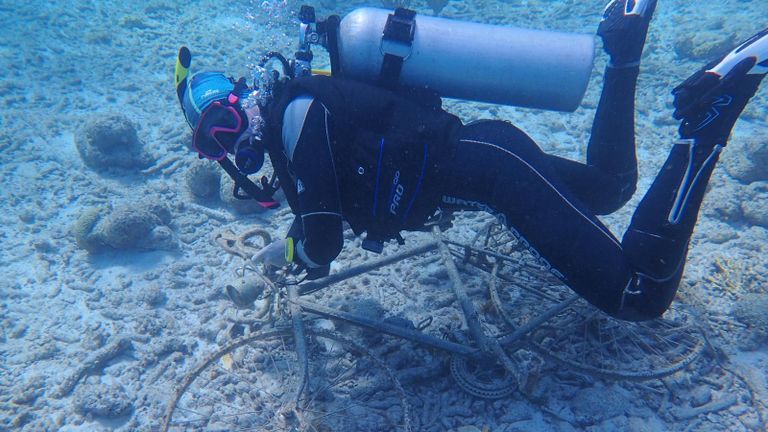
column 624, row 28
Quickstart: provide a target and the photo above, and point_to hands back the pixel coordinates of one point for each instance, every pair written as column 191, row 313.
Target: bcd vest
column 387, row 147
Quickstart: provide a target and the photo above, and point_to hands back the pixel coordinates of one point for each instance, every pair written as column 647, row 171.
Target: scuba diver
column 387, row 161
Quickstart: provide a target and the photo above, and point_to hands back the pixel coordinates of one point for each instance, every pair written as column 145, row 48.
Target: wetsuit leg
column 656, row 242
column 609, row 178
column 708, row 104
column 498, row 168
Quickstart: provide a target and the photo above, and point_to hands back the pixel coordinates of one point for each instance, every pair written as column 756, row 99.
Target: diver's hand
column 272, row 255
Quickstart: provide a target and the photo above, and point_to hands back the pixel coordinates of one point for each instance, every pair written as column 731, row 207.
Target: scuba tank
column 457, row 59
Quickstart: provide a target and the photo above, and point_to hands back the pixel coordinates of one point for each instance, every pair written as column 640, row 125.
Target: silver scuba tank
column 479, row 62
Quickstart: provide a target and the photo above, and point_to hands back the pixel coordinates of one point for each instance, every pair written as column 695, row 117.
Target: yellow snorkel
column 182, row 71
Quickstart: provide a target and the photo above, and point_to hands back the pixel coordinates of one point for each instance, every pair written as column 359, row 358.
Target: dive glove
column 273, row 254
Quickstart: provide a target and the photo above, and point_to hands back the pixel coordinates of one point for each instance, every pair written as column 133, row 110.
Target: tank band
column 396, row 45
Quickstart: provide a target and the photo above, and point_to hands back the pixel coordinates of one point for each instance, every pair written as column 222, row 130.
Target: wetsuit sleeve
column 318, row 226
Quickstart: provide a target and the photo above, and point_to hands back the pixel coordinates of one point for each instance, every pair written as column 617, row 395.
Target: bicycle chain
column 469, row 383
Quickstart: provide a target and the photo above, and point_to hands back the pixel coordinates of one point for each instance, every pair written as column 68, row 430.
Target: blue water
column 156, row 276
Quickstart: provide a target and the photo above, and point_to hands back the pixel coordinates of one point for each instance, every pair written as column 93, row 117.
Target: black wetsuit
column 548, row 201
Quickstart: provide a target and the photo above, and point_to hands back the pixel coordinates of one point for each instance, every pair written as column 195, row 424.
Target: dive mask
column 222, row 130
column 219, row 128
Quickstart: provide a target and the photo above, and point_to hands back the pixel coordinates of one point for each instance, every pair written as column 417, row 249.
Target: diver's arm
column 318, row 227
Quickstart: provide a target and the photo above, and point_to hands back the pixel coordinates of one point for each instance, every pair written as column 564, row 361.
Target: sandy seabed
column 99, row 341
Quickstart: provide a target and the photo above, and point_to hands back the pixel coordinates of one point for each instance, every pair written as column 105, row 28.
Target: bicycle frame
column 551, row 330
column 488, row 347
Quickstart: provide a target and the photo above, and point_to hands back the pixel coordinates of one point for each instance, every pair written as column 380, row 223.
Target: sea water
column 118, row 244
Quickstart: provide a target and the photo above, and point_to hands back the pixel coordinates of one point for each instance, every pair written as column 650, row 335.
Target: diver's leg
column 708, row 103
column 609, row 178
column 498, row 168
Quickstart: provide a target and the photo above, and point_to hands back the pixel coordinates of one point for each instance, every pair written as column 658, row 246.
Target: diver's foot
column 623, row 28
column 711, row 100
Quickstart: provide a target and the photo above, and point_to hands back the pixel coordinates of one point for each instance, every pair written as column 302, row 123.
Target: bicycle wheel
column 576, row 334
column 530, row 288
column 592, row 342
column 251, row 384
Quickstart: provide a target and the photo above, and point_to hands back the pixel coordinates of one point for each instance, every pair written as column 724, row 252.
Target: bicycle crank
column 483, row 379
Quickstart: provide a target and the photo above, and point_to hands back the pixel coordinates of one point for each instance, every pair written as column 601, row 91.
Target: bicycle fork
column 488, row 345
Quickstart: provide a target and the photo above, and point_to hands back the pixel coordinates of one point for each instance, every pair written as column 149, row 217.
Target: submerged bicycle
column 292, row 373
